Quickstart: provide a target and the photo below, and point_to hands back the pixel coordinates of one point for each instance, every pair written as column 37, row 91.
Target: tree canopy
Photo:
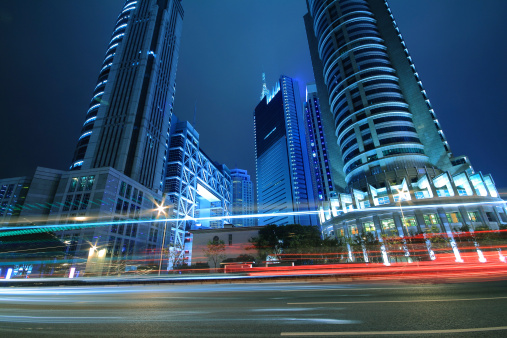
column 291, row 239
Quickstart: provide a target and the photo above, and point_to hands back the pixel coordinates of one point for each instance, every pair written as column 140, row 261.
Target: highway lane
column 257, row 310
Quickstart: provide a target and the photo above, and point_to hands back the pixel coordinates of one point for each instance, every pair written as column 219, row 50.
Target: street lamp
column 161, row 210
column 401, row 194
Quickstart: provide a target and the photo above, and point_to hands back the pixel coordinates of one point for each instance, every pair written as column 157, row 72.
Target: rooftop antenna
column 265, row 90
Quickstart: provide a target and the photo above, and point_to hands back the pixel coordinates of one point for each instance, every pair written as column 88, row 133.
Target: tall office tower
column 383, row 133
column 282, row 166
column 242, row 197
column 127, row 123
column 196, row 186
column 375, row 94
column 321, row 173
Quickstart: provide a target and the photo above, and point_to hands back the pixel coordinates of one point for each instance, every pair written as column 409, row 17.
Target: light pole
column 161, row 209
column 401, row 194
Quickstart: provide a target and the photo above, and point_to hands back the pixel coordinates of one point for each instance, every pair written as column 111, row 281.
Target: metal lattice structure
column 199, row 189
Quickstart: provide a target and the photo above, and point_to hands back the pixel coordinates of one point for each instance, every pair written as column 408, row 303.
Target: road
column 257, row 310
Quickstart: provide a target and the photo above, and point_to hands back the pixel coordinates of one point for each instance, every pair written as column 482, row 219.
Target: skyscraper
column 127, row 123
column 282, row 165
column 375, row 94
column 321, row 173
column 197, row 186
column 387, row 148
column 242, row 197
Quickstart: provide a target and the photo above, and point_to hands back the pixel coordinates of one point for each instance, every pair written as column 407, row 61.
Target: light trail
column 23, row 230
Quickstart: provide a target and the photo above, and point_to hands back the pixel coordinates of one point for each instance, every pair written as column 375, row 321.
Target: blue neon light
column 90, row 120
column 116, row 44
column 85, row 134
column 77, row 164
column 98, row 94
column 93, row 107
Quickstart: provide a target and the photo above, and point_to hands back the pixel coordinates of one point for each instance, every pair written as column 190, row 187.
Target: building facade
column 137, row 183
column 284, row 184
column 127, row 123
column 199, row 189
column 236, row 242
column 107, row 220
column 321, row 173
column 242, row 197
column 13, row 193
column 398, row 175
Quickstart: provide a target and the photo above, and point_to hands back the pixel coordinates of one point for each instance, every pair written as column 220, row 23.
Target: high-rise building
column 197, row 186
column 242, row 197
column 321, row 173
column 389, row 158
column 375, row 94
column 127, row 123
column 282, row 166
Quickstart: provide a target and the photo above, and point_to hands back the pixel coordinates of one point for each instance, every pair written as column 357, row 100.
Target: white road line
column 357, row 289
column 374, row 333
column 400, row 301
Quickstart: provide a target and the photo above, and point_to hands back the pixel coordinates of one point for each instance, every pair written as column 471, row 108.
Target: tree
column 174, row 254
column 293, row 242
column 215, row 251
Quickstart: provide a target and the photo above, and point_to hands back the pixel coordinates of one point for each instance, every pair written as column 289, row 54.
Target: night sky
column 51, row 52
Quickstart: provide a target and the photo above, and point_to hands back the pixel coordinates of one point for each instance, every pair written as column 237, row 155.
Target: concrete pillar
column 378, row 226
column 360, row 227
column 410, row 188
column 432, row 186
column 389, row 191
column 421, row 224
column 399, row 224
column 484, row 217
column 447, row 228
column 453, row 186
column 337, row 231
column 497, row 215
column 465, row 220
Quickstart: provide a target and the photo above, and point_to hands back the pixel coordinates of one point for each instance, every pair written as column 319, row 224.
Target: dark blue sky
column 51, row 52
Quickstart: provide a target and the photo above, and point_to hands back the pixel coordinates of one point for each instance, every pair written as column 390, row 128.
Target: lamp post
column 401, row 194
column 161, row 210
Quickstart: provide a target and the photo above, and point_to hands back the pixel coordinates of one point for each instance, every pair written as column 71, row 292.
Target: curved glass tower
column 390, row 159
column 127, row 122
column 93, row 108
column 375, row 94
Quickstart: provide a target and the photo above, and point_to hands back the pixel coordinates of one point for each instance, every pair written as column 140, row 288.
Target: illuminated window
column 73, row 184
column 353, row 230
column 123, row 187
column 410, row 222
column 383, row 200
column 431, row 219
column 453, row 217
column 83, row 181
column 474, row 216
column 89, row 182
column 369, row 226
column 388, row 224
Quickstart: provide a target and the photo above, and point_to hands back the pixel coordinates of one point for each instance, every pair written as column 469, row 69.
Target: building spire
column 195, row 115
column 265, row 90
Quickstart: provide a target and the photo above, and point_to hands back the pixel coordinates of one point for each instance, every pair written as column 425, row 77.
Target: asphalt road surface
column 257, row 310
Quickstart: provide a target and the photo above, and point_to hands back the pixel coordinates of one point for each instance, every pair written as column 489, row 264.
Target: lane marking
column 402, row 301
column 358, row 289
column 374, row 333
